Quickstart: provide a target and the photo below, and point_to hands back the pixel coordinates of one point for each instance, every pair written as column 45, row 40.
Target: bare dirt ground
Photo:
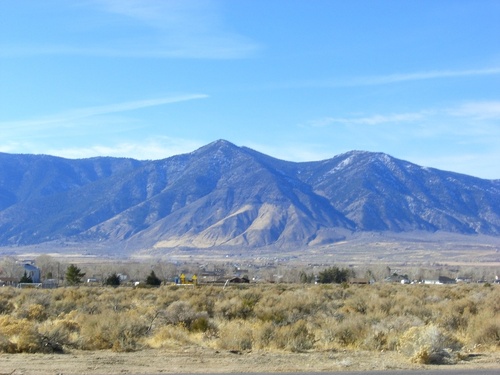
column 199, row 360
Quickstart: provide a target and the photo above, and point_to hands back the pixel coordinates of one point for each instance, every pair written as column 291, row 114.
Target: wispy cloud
column 387, row 79
column 479, row 110
column 149, row 149
column 82, row 113
column 367, row 120
column 418, row 76
column 146, row 29
column 467, row 134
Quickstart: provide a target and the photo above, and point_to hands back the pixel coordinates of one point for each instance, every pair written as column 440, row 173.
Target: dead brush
column 291, row 318
column 429, row 345
column 169, row 337
column 235, row 335
column 296, row 337
column 484, row 330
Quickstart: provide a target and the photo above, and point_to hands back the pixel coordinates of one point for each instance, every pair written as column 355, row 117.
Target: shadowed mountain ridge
column 222, row 195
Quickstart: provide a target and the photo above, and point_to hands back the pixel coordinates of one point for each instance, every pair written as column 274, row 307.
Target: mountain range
column 225, row 196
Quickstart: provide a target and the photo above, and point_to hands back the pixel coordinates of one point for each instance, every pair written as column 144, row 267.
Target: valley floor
column 202, row 360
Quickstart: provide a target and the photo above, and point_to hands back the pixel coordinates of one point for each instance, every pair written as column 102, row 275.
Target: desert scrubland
column 426, row 324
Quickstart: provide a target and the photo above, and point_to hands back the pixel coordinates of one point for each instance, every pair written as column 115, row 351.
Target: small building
column 8, row 281
column 239, row 280
column 32, row 272
column 359, row 281
column 183, row 280
column 209, row 276
column 395, row 278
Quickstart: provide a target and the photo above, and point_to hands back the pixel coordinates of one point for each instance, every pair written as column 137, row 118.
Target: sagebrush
column 429, row 324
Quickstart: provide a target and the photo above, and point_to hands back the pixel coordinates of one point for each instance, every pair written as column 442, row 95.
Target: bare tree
column 49, row 267
column 379, row 271
column 9, row 267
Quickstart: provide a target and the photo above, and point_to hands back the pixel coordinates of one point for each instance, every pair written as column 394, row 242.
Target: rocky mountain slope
column 222, row 195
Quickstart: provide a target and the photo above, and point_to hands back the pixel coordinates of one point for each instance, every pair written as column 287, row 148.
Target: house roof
column 8, row 279
column 30, row 267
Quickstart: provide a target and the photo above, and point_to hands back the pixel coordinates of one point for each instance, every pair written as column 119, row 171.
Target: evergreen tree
column 74, row 275
column 26, row 279
column 153, row 280
column 334, row 275
column 112, row 280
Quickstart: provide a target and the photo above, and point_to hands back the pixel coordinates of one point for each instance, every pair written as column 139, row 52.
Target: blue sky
column 300, row 80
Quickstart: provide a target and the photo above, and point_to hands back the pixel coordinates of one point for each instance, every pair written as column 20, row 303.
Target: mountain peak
column 221, row 143
column 366, row 158
column 225, row 195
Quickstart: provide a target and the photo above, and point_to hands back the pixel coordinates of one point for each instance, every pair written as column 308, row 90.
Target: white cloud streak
column 81, row 113
column 368, row 120
column 167, row 29
column 149, row 149
column 479, row 110
column 467, row 133
column 469, row 111
column 419, row 76
column 388, row 79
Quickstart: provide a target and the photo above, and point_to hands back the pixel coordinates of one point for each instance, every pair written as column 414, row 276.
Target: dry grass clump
column 235, row 335
column 430, row 345
column 118, row 331
column 429, row 324
column 169, row 337
column 18, row 335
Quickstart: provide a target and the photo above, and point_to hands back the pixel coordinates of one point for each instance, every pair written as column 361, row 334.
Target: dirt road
column 198, row 360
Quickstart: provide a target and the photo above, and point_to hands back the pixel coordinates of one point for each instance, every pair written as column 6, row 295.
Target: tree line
column 331, row 275
column 74, row 276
